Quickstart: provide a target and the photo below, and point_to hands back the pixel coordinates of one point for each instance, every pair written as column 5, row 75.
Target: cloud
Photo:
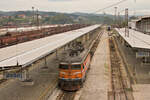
column 60, row 0
column 87, row 6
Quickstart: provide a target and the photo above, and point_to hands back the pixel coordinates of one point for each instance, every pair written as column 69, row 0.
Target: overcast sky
column 88, row 6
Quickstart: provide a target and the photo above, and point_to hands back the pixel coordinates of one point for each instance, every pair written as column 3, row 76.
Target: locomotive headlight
column 62, row 72
column 76, row 73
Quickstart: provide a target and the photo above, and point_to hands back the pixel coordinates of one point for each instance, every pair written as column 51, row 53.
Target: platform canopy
column 136, row 39
column 28, row 52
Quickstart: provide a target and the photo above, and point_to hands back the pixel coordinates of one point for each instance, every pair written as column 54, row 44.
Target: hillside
column 62, row 18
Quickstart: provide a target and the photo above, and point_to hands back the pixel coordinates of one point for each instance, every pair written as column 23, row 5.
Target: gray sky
column 88, row 6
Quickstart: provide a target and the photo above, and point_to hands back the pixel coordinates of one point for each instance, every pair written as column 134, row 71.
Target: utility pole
column 104, row 14
column 119, row 19
column 126, row 23
column 115, row 15
column 33, row 16
column 37, row 17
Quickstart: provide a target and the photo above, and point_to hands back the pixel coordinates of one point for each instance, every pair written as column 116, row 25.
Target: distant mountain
column 27, row 13
column 56, row 17
column 83, row 14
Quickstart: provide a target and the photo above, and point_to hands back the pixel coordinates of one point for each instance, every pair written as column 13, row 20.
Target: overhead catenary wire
column 130, row 10
column 112, row 5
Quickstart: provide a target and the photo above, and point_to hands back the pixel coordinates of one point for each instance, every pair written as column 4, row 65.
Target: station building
column 142, row 24
column 135, row 50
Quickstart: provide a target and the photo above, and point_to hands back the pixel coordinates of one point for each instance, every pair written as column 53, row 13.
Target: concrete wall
column 143, row 25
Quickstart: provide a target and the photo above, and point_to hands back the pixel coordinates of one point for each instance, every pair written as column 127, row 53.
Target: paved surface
column 43, row 79
column 96, row 84
column 141, row 92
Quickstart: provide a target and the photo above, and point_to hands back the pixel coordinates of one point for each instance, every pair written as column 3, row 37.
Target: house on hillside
column 22, row 16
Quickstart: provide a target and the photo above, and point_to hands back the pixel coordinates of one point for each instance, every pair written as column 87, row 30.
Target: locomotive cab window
column 61, row 66
column 83, row 66
column 76, row 67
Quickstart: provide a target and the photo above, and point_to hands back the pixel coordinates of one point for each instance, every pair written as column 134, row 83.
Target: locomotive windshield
column 76, row 67
column 62, row 66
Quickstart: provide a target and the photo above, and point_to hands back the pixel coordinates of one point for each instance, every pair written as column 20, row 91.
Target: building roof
column 136, row 39
column 31, row 51
column 140, row 18
column 147, row 16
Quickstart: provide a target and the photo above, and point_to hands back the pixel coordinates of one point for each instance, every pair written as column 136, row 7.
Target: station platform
column 135, row 39
column 26, row 53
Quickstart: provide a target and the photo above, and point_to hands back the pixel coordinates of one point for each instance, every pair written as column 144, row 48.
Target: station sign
column 13, row 75
column 142, row 54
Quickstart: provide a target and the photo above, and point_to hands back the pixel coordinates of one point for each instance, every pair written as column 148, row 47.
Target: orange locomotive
column 73, row 68
column 72, row 75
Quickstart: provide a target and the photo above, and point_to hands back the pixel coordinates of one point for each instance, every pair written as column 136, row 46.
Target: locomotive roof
column 66, row 58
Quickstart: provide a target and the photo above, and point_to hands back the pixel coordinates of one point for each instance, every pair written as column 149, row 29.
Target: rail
column 121, row 90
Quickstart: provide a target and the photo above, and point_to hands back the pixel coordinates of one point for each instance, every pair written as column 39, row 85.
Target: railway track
column 120, row 86
column 13, row 38
column 66, row 96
